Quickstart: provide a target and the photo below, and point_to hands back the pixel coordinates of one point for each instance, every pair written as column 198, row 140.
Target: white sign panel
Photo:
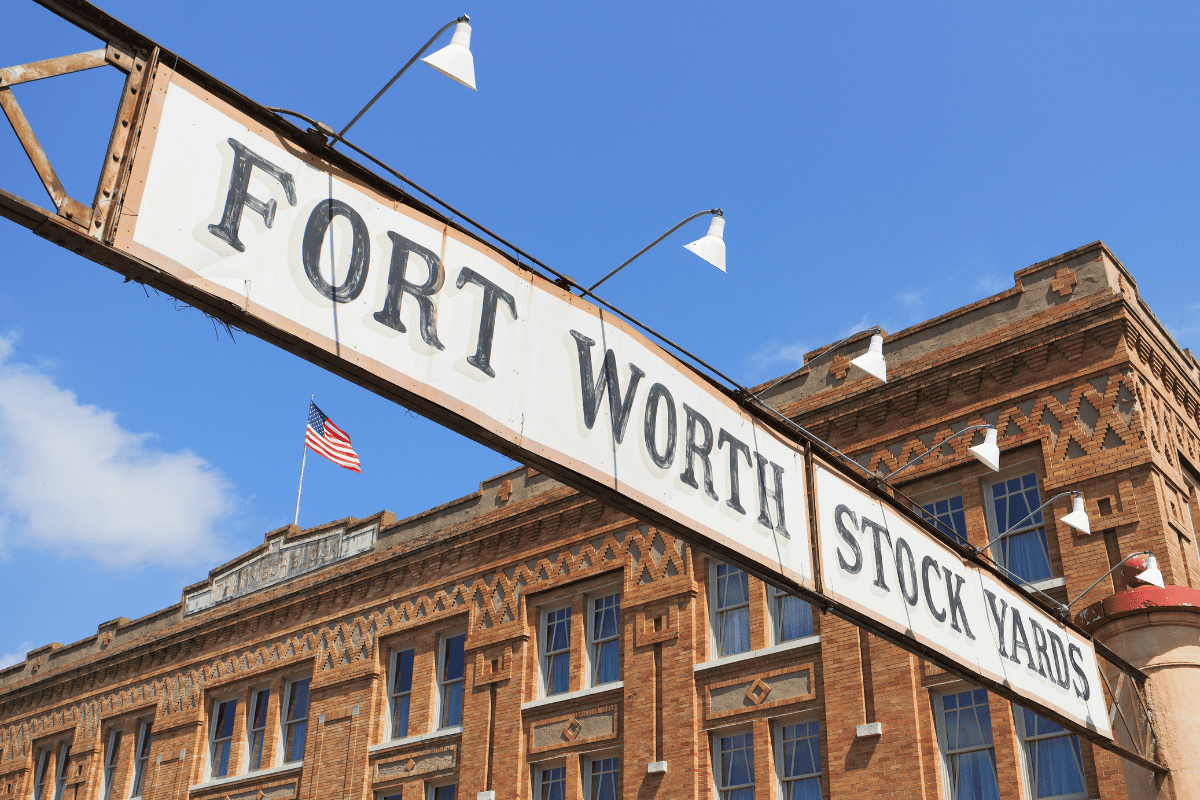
column 230, row 208
column 880, row 564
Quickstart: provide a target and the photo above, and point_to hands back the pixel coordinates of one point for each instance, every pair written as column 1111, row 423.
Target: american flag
column 329, row 440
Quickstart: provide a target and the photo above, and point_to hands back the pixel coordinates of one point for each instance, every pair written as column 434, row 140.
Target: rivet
column 116, row 56
column 116, row 157
column 69, row 215
column 139, row 66
column 97, row 223
column 133, row 90
column 124, row 123
column 107, row 193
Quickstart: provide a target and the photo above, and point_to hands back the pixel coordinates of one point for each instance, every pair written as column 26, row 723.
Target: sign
column 230, row 208
column 880, row 564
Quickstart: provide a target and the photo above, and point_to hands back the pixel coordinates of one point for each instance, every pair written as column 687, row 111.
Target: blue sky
column 877, row 163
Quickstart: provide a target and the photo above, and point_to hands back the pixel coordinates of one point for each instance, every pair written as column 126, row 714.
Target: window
column 43, row 774
column 965, row 731
column 259, row 700
column 447, row 791
column 295, row 720
column 222, row 736
column 734, row 767
column 732, row 623
column 1024, row 553
column 604, row 778
column 793, row 616
column 451, row 679
column 948, row 517
column 142, row 758
column 605, row 637
column 1052, row 757
column 111, row 758
column 63, row 771
column 552, row 783
column 799, row 758
column 400, row 692
column 556, row 651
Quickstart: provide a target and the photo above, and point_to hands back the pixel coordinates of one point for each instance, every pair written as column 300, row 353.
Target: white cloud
column 989, row 284
column 911, row 299
column 74, row 481
column 16, row 656
column 767, row 360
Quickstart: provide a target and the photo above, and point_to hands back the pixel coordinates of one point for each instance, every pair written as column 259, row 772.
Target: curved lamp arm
column 411, row 61
column 1027, row 516
column 716, row 212
column 1152, row 565
column 818, row 357
column 936, row 446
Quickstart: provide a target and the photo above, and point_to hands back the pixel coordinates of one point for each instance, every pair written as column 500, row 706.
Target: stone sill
column 753, row 654
column 249, row 777
column 566, row 696
column 421, row 737
column 1041, row 586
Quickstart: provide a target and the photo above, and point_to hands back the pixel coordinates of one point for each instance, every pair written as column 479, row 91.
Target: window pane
column 298, row 703
column 1025, row 555
column 735, row 631
column 804, row 789
column 400, row 717
column 261, row 699
column 554, row 783
column 560, row 673
column 452, row 705
column 444, row 792
column 608, row 666
column 605, row 775
column 975, row 776
column 454, row 657
column 404, row 665
column 795, row 618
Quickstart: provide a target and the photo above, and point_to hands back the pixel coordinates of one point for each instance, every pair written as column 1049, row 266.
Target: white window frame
column 140, row 761
column 285, row 724
column 774, row 595
column 995, row 550
column 442, row 684
column 539, row 778
column 939, row 718
column 212, row 737
column 251, row 716
column 1027, row 776
column 586, row 769
column 714, row 612
column 60, row 770
column 777, row 729
column 394, row 661
column 39, row 774
column 109, row 767
column 431, row 788
column 544, row 655
column 593, row 647
column 946, row 493
column 719, row 790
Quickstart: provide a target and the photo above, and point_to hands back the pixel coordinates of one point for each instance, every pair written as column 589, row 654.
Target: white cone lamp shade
column 712, row 246
column 455, row 59
column 1078, row 518
column 988, row 453
column 1151, row 573
column 873, row 361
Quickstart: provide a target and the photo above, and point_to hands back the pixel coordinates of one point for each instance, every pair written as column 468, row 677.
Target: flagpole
column 302, row 460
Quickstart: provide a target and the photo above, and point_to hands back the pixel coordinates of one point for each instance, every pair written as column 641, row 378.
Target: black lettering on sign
column 608, row 381
column 492, row 296
column 906, row 578
column 763, row 517
column 875, row 530
column 360, row 251
column 1085, row 691
column 1019, row 630
column 650, row 428
column 999, row 619
column 1041, row 647
column 954, row 597
column 1062, row 672
column 693, row 419
column 927, row 563
column 239, row 197
column 849, row 539
column 397, row 285
column 736, row 447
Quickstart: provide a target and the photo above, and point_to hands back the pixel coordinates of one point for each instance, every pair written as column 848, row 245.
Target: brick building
column 529, row 641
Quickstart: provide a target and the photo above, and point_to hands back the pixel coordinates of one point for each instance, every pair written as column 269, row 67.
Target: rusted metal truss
column 137, row 67
column 89, row 231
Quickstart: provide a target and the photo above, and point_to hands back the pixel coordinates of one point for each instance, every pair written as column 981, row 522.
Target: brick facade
column 1086, row 389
